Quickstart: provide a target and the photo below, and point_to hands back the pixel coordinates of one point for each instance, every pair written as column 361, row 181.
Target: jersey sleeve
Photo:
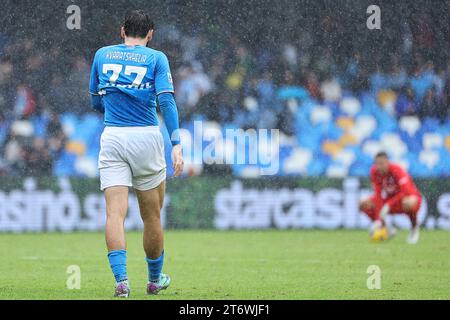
column 170, row 114
column 376, row 185
column 163, row 76
column 94, row 80
column 96, row 99
column 402, row 179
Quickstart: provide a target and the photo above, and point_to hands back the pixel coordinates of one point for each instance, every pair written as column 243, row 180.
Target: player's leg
column 146, row 157
column 371, row 207
column 116, row 211
column 410, row 206
column 368, row 207
column 115, row 177
column 150, row 205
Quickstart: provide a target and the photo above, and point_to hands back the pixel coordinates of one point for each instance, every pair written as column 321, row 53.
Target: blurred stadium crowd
column 337, row 93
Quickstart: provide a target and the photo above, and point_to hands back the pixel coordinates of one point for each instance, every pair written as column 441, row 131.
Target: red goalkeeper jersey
column 393, row 185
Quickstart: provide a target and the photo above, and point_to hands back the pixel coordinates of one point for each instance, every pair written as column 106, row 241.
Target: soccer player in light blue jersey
column 127, row 83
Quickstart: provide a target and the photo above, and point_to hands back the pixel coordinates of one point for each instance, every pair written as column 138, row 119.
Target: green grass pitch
column 294, row 264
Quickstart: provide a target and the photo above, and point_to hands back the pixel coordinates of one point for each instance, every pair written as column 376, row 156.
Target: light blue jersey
column 129, row 79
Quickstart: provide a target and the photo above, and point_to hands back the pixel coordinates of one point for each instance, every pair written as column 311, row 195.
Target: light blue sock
column 118, row 262
column 155, row 267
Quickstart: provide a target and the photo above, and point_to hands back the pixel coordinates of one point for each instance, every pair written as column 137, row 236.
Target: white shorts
column 132, row 156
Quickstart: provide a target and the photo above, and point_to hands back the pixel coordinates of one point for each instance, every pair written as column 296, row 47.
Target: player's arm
column 377, row 188
column 168, row 107
column 376, row 185
column 96, row 98
column 166, row 101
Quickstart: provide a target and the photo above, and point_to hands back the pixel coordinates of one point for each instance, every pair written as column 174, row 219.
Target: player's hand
column 385, row 210
column 177, row 160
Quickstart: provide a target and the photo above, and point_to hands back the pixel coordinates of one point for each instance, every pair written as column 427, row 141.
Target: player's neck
column 129, row 41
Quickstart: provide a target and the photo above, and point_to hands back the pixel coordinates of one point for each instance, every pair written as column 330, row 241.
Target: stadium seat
column 298, row 161
column 393, row 145
column 92, row 124
column 414, row 143
column 446, row 128
column 331, row 131
column 320, row 114
column 76, row 147
column 331, row 148
column 368, row 102
column 444, row 163
column 86, row 166
column 447, row 142
column 372, row 147
column 364, row 127
column 345, row 123
column 429, row 158
column 65, row 165
column 311, row 140
column 331, row 139
column 346, row 157
column 358, row 170
column 317, row 167
column 347, row 139
column 418, row 170
column 350, row 106
column 430, row 125
column 337, row 170
column 410, row 124
column 93, row 150
column 432, row 141
column 403, row 161
column 386, row 99
column 334, row 108
column 361, row 166
column 69, row 123
column 386, row 123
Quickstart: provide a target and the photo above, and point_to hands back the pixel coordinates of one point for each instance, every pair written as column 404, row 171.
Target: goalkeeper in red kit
column 394, row 193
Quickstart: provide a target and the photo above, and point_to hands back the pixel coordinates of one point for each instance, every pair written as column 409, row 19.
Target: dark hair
column 137, row 24
column 381, row 154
